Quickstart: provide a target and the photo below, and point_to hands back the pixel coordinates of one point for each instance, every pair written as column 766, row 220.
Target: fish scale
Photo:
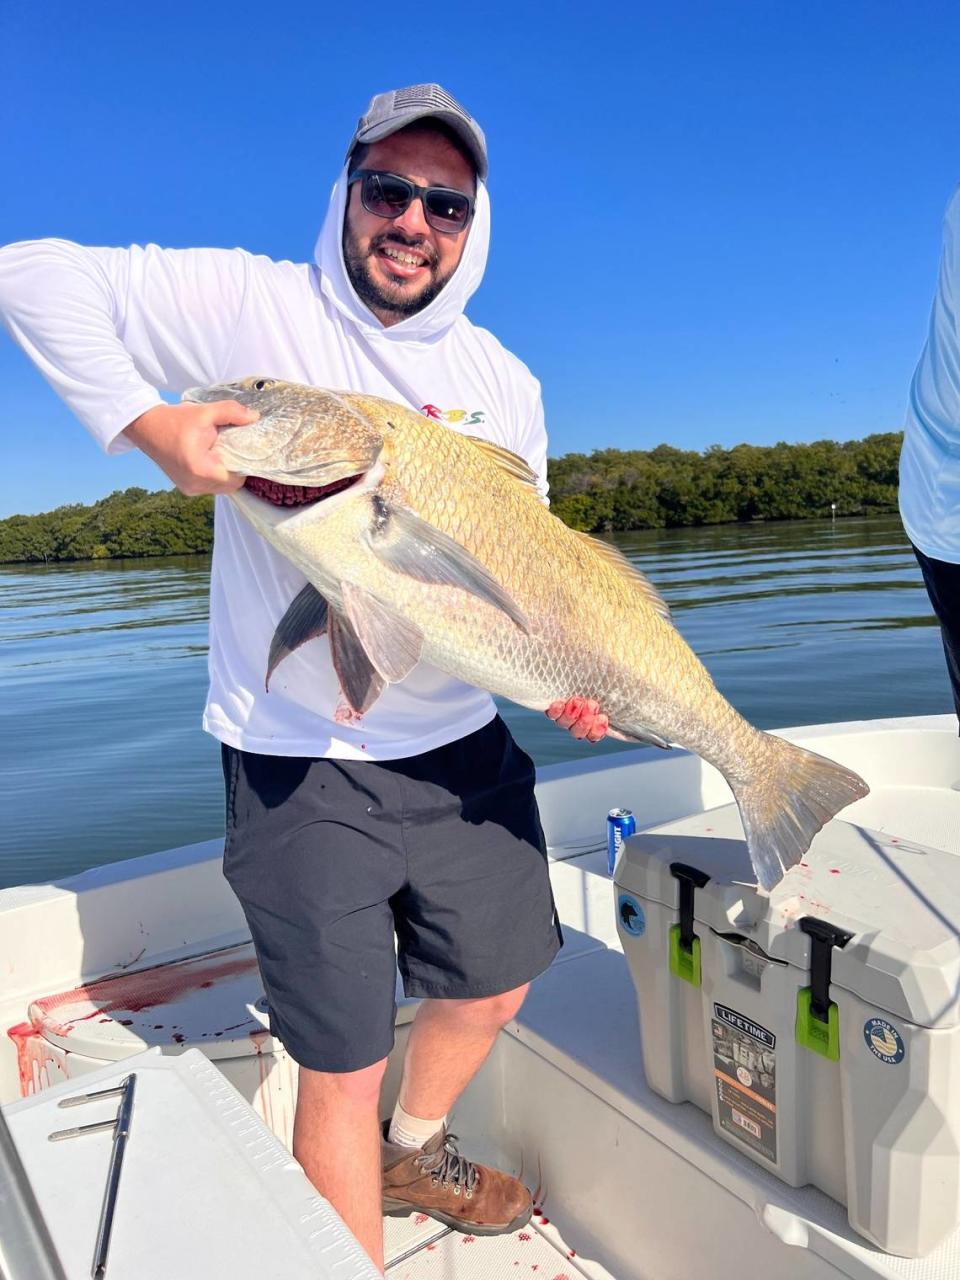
column 442, row 550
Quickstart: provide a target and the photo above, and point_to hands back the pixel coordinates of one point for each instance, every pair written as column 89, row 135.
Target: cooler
column 817, row 1024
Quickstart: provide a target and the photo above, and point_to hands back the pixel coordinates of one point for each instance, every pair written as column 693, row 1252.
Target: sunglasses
column 387, row 195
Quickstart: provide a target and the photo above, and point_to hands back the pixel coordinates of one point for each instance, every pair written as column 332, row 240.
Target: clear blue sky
column 712, row 222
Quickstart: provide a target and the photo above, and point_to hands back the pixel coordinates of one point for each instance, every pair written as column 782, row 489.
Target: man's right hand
column 182, row 440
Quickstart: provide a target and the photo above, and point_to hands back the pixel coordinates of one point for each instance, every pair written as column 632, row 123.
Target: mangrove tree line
column 609, row 490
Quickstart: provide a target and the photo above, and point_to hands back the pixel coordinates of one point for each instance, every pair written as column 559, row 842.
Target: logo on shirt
column 455, row 417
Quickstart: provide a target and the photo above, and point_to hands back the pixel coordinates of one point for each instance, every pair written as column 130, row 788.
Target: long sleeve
column 107, row 328
column 929, row 492
column 935, row 393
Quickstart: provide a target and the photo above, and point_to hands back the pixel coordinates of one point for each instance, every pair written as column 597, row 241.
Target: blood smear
column 38, row 1066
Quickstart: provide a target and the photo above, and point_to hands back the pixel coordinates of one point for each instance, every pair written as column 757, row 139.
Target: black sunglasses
column 387, row 195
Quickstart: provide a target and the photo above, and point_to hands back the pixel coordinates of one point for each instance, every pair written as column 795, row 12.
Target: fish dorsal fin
column 617, row 560
column 512, row 463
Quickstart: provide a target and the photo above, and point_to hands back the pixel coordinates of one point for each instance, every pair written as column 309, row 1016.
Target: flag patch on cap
column 429, row 95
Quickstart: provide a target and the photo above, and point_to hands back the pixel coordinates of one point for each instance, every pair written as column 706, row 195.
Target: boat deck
column 418, row 1246
column 641, row 1187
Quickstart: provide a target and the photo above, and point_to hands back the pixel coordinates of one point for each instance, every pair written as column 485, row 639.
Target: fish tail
column 795, row 793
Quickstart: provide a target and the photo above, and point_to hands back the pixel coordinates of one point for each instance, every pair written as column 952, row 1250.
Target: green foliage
column 612, row 489
column 609, row 490
column 130, row 522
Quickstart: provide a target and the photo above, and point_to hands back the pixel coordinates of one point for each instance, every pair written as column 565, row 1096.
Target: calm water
column 103, row 673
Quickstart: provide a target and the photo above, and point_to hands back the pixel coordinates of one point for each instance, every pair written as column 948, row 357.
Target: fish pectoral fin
column 638, row 733
column 360, row 681
column 617, row 560
column 305, row 619
column 391, row 643
column 407, row 544
column 511, row 462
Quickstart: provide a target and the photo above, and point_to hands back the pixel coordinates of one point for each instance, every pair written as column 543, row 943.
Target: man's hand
column 182, row 440
column 582, row 716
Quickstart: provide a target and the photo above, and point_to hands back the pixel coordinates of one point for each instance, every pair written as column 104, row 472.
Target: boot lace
column 447, row 1165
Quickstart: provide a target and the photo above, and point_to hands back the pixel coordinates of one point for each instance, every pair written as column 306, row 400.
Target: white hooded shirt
column 108, row 327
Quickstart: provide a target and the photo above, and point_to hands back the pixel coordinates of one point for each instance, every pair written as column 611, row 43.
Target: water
column 103, row 673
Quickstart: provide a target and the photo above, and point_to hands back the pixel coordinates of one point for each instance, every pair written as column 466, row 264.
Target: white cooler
column 818, row 1024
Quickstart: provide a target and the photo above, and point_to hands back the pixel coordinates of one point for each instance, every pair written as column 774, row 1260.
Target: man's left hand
column 582, row 716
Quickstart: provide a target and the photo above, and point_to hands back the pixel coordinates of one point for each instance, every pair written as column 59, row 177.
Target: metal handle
column 58, row 1135
column 78, row 1099
column 120, row 1135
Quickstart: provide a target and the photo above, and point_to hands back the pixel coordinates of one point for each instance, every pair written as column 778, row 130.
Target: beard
column 394, row 299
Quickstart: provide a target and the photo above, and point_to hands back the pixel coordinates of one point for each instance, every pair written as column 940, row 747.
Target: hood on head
column 438, row 315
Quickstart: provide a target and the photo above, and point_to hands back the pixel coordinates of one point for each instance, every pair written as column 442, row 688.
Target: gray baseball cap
column 397, row 108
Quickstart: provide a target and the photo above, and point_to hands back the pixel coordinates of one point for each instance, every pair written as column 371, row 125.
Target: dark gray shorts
column 332, row 858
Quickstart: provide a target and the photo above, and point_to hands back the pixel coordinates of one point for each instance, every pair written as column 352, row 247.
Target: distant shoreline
column 607, row 491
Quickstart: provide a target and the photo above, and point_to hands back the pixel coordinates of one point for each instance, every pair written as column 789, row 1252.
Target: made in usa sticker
column 884, row 1040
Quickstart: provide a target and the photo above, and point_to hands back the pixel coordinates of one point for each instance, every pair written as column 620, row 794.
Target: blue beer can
column 620, row 824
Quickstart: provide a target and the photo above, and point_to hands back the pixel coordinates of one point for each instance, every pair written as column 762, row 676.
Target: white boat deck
column 432, row 1251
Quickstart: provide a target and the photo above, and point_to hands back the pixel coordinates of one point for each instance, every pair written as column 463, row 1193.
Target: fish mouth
column 297, row 495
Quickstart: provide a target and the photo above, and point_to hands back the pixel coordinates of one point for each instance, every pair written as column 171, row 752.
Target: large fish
column 424, row 544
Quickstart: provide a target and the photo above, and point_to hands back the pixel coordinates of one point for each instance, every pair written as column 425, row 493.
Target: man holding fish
column 412, row 818
column 373, row 793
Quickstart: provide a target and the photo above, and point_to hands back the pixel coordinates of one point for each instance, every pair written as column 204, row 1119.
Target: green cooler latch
column 684, row 943
column 818, row 1018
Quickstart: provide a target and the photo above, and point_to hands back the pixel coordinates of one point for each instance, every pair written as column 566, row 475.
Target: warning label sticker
column 745, row 1066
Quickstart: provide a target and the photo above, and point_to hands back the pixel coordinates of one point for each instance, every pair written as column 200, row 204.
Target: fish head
column 304, row 438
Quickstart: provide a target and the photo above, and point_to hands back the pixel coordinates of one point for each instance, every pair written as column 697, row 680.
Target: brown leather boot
column 438, row 1180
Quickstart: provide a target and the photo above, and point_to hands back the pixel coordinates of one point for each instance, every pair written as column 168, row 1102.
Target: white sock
column 410, row 1131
